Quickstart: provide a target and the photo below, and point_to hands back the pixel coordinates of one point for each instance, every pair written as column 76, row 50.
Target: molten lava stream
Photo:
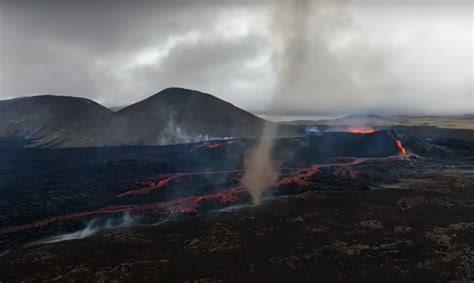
column 359, row 131
column 400, row 146
column 187, row 204
column 151, row 187
column 211, row 146
column 167, row 178
column 398, row 143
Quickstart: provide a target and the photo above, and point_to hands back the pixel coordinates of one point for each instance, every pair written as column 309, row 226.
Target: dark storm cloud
column 80, row 48
column 101, row 26
column 362, row 55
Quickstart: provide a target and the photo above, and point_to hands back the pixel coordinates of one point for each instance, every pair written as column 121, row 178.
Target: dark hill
column 177, row 115
column 47, row 116
column 174, row 115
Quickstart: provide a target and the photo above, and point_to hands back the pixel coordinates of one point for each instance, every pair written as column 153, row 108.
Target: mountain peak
column 178, row 93
column 174, row 97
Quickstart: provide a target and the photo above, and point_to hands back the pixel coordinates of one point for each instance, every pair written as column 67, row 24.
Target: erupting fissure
column 256, row 178
column 398, row 143
column 359, row 130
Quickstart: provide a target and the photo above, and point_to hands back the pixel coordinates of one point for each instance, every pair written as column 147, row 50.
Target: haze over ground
column 395, row 57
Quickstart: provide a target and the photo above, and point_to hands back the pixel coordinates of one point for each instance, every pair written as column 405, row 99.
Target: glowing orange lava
column 359, row 130
column 190, row 204
column 151, row 185
column 211, row 146
column 301, row 177
column 400, row 146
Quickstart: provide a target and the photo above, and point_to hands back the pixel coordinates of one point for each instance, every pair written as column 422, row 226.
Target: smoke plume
column 289, row 27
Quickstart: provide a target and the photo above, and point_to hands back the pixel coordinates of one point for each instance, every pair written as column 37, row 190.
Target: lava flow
column 151, row 187
column 301, row 177
column 400, row 146
column 211, row 145
column 166, row 178
column 189, row 204
column 359, row 130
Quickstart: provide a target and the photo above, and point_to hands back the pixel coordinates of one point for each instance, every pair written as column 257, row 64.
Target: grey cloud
column 354, row 68
column 362, row 56
column 208, row 64
column 57, row 48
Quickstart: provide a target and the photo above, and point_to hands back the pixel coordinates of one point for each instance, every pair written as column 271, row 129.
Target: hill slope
column 174, row 115
column 177, row 115
column 47, row 116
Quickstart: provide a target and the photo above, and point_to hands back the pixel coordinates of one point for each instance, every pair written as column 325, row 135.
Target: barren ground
column 418, row 228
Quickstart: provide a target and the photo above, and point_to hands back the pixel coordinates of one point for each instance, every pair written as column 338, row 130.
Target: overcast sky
column 398, row 57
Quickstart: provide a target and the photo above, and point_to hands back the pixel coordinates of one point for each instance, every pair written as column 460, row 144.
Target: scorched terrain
column 350, row 204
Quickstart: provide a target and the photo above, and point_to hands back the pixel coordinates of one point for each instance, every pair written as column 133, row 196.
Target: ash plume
column 289, row 24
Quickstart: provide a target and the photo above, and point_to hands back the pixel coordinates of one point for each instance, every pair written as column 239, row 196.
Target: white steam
column 93, row 227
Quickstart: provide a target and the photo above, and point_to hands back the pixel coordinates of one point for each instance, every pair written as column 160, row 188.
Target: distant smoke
column 312, row 131
column 174, row 134
column 289, row 25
